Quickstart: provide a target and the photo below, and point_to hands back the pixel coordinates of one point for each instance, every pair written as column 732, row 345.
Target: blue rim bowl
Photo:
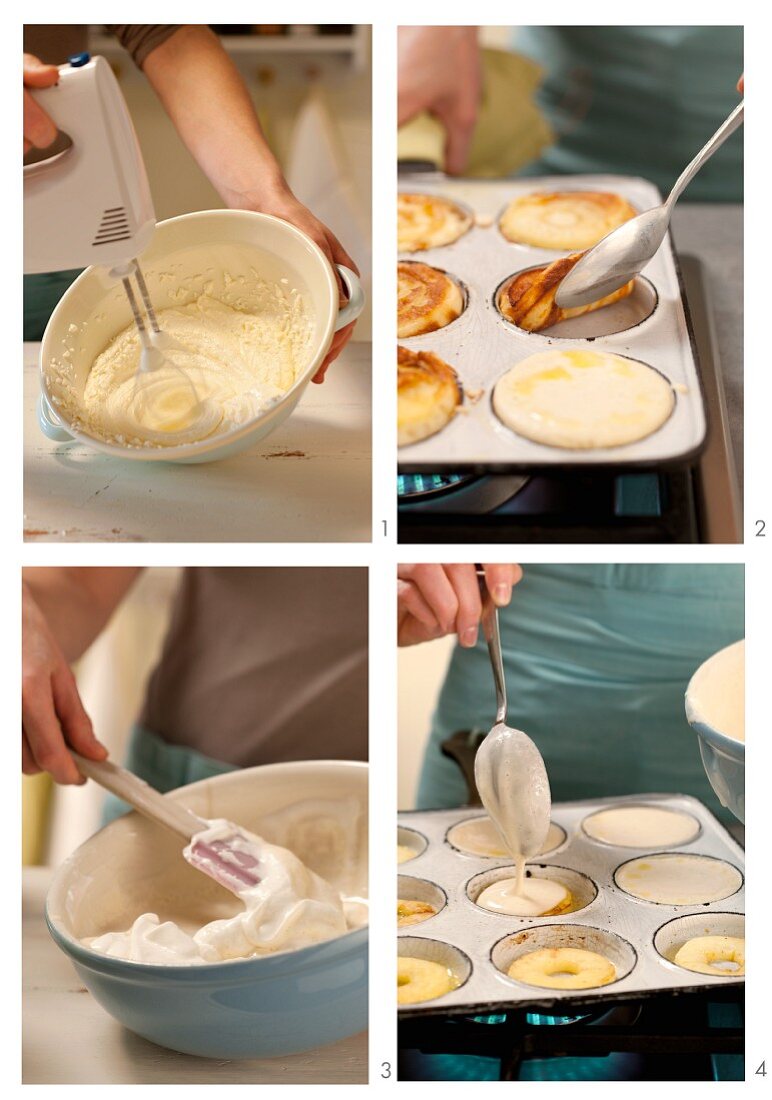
column 252, row 1008
column 723, row 757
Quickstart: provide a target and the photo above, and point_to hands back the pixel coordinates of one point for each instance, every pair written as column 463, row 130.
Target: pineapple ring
column 563, row 968
column 703, row 953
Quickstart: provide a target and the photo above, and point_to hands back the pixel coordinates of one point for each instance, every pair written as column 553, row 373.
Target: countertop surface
column 69, row 1039
column 713, row 232
column 309, row 481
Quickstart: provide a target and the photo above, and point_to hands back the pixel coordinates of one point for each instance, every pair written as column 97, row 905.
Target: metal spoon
column 508, row 768
column 228, row 860
column 621, row 255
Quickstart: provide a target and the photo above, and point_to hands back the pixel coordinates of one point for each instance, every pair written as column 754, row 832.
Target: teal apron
column 163, row 766
column 640, row 101
column 41, row 296
column 596, row 659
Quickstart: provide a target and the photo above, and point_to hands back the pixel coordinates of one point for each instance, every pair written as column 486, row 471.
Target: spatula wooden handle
column 140, row 795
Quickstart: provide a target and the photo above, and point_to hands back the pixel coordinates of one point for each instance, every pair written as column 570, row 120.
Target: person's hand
column 283, row 204
column 440, row 71
column 434, row 600
column 52, row 714
column 741, row 85
column 39, row 129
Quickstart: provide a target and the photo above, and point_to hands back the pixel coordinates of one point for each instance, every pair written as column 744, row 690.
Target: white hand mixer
column 89, row 202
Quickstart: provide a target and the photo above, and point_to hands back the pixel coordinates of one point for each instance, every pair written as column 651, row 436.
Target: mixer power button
column 78, row 60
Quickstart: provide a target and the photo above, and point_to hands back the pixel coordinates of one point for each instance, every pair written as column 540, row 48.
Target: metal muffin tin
column 628, row 930
column 481, row 345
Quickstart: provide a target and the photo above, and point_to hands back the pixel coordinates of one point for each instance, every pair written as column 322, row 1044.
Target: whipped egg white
column 289, row 908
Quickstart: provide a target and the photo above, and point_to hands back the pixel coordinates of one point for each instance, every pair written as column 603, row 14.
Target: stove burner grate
column 424, row 486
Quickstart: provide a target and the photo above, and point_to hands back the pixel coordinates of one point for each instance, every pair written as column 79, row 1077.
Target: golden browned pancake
column 428, row 395
column 564, row 219
column 528, row 298
column 427, row 299
column 582, row 399
column 428, row 221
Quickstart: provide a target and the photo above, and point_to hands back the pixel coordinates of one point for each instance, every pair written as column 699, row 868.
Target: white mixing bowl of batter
column 235, row 258
column 715, row 709
column 261, row 1006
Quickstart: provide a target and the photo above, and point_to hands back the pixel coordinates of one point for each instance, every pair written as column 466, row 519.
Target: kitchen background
column 421, row 671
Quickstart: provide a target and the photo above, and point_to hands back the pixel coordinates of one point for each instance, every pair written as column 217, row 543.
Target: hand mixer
column 89, row 202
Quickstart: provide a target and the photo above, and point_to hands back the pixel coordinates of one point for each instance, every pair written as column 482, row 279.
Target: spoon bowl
column 510, row 770
column 615, row 260
column 621, row 255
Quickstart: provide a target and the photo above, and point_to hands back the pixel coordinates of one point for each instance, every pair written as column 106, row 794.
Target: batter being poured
column 222, row 368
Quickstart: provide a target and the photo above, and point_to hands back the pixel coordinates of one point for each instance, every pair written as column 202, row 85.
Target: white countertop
column 307, row 482
column 69, row 1039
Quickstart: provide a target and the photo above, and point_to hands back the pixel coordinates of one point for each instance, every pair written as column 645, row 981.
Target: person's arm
column 440, row 71
column 435, row 600
column 63, row 611
column 209, row 104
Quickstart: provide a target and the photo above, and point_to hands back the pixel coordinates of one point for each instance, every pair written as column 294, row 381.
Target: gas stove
column 691, row 504
column 686, row 1037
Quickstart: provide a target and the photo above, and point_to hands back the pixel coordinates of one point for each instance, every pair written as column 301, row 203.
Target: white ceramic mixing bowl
column 210, row 250
column 245, row 1008
column 715, row 709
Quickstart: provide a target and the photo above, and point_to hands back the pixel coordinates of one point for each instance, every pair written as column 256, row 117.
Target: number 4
column 762, row 1070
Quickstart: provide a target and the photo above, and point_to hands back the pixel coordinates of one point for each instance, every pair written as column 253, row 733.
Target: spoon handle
column 490, row 625
column 722, row 133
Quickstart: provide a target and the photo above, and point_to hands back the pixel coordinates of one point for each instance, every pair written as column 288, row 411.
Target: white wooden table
column 69, row 1039
column 307, row 482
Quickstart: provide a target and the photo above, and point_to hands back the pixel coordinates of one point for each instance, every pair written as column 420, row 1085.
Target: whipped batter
column 536, row 897
column 480, row 837
column 641, row 827
column 717, row 692
column 513, row 787
column 679, row 879
column 239, row 363
column 582, row 399
column 289, row 908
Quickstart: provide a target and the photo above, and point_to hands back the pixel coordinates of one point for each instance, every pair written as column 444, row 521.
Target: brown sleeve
column 141, row 39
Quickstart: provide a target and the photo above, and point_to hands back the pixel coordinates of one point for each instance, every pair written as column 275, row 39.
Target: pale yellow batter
column 582, row 399
column 717, row 692
column 641, row 827
column 405, row 853
column 480, row 837
column 239, row 364
column 673, row 879
column 537, row 898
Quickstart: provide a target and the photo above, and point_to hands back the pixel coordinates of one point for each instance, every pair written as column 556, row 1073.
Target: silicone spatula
column 230, row 859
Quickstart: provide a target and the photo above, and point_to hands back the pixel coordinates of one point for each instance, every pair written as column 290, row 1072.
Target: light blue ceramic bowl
column 710, row 698
column 253, row 1008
